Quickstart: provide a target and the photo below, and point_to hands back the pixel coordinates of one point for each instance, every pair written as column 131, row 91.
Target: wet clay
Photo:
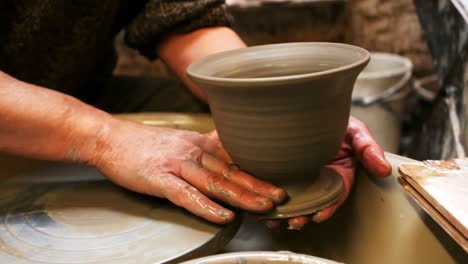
column 281, row 110
column 311, row 196
column 305, row 197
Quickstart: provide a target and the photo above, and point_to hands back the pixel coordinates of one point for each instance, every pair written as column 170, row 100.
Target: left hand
column 358, row 145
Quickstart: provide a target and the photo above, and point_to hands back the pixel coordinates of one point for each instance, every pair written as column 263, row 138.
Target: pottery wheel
column 310, row 197
column 71, row 214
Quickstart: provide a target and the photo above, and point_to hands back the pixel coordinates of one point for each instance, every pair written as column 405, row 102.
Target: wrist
column 180, row 50
column 90, row 136
column 45, row 124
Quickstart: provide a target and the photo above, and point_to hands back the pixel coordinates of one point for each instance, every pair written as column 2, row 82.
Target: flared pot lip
column 226, row 81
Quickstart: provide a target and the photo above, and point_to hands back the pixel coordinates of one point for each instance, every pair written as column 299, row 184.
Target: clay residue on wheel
column 4, row 247
column 95, row 208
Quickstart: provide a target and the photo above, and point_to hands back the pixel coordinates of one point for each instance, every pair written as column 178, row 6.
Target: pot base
column 309, row 197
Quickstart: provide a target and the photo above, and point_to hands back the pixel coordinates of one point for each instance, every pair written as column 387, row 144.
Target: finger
column 184, row 195
column 213, row 135
column 346, row 168
column 234, row 174
column 297, row 223
column 366, row 149
column 211, row 144
column 215, row 148
column 375, row 163
column 325, row 214
column 218, row 187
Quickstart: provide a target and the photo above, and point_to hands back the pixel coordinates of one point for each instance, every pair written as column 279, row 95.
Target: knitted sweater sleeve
column 162, row 17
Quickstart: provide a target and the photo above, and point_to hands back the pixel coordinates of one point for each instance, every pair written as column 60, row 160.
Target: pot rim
column 226, row 81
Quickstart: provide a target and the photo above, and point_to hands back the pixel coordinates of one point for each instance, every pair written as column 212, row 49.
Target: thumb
column 345, row 168
column 213, row 135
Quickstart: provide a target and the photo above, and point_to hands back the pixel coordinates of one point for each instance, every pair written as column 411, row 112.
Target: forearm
column 179, row 51
column 41, row 123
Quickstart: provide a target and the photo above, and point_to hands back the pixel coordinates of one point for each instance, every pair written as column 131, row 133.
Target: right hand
column 187, row 168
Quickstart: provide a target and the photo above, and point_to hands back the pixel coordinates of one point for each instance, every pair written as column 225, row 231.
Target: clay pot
column 281, row 110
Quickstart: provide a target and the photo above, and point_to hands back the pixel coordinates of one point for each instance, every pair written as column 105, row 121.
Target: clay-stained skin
column 224, row 214
column 362, row 146
column 183, row 167
column 206, row 209
column 233, row 173
column 357, row 146
column 218, row 187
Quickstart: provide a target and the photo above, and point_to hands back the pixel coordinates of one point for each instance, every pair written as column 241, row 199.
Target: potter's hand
column 358, row 145
column 185, row 167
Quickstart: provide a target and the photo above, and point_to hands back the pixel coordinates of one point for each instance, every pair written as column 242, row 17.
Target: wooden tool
column 441, row 188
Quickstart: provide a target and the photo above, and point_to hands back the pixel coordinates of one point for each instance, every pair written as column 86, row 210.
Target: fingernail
column 261, row 202
column 318, row 217
column 225, row 214
column 381, row 166
column 297, row 223
column 264, row 202
column 379, row 155
column 279, row 195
